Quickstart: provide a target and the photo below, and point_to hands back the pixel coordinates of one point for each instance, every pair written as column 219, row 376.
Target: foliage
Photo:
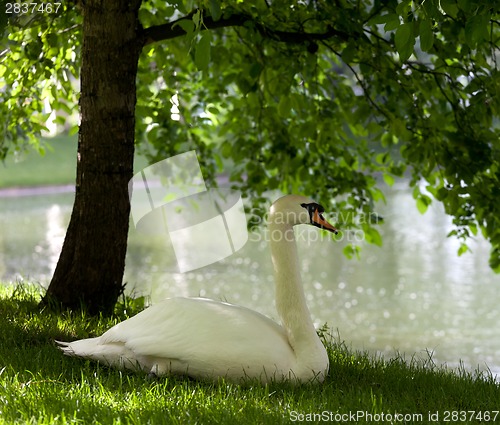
column 39, row 62
column 332, row 99
column 40, row 385
column 401, row 87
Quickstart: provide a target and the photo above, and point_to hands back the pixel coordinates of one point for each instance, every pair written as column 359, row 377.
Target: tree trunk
column 89, row 272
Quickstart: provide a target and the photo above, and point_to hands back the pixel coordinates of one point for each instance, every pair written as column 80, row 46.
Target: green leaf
column 421, row 206
column 284, row 106
column 431, row 9
column 494, row 260
column 388, row 139
column 197, row 19
column 403, row 8
column 52, row 40
column 351, row 250
column 466, row 5
column 400, row 130
column 377, row 195
column 462, row 249
column 383, row 158
column 449, row 7
column 405, row 41
column 423, row 202
column 441, row 194
column 74, row 130
column 60, row 120
column 186, row 24
column 349, row 52
column 372, row 236
column 476, row 29
column 389, row 180
column 215, row 9
column 392, row 22
column 226, row 149
column 202, row 52
column 426, row 35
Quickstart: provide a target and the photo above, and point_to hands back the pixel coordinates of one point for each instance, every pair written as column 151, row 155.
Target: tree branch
column 173, row 30
column 360, row 82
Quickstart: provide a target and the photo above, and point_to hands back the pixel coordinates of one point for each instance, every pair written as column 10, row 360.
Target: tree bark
column 89, row 272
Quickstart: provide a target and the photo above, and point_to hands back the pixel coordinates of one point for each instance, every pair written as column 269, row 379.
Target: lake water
column 413, row 295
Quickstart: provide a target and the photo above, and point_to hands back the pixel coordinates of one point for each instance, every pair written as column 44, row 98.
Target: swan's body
column 204, row 338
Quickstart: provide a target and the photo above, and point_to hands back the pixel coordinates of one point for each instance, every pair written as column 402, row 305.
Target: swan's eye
column 312, row 207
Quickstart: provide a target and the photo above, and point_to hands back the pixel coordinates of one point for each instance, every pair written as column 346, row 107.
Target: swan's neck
column 290, row 299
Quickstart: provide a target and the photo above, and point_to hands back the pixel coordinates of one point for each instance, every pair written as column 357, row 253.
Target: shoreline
column 12, row 192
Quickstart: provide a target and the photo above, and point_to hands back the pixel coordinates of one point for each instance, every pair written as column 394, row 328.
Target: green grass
column 40, row 385
column 56, row 167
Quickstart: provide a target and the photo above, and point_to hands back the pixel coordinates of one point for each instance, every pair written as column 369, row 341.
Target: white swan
column 204, row 338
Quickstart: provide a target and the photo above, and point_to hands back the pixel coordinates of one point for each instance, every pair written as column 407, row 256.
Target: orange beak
column 319, row 220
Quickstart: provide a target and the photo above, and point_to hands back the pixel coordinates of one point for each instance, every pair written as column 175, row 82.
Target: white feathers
column 207, row 339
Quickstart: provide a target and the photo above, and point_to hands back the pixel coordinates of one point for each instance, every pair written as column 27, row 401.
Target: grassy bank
column 39, row 385
column 57, row 166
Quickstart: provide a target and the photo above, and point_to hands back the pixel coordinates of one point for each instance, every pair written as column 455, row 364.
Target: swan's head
column 296, row 209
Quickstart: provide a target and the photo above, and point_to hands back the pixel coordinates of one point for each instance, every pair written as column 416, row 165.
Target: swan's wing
column 201, row 330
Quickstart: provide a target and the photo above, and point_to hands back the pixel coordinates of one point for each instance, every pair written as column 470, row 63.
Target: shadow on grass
column 32, row 368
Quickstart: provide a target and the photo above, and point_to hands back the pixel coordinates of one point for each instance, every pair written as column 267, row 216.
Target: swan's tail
column 65, row 347
column 87, row 348
column 111, row 354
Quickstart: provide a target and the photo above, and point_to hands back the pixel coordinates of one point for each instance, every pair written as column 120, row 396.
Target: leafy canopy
column 328, row 98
